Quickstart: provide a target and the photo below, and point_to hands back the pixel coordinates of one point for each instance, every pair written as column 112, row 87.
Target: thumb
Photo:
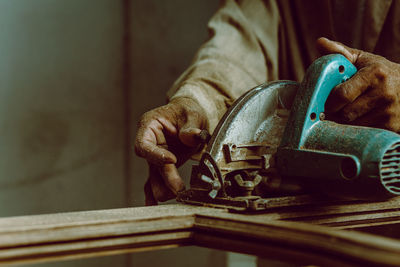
column 189, row 135
column 326, row 46
column 189, row 132
column 192, row 121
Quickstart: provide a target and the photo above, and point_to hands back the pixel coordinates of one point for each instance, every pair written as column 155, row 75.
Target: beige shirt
column 254, row 41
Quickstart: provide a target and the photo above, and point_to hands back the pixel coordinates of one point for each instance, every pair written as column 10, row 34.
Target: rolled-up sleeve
column 242, row 52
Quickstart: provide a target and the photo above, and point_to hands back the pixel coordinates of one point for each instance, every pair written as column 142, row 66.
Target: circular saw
column 275, row 143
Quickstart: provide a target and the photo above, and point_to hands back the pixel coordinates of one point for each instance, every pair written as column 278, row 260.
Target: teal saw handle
column 321, row 77
column 342, row 160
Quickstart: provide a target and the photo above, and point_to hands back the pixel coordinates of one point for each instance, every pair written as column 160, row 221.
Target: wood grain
column 28, row 239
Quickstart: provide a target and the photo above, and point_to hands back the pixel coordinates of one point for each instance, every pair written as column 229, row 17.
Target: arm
column 240, row 54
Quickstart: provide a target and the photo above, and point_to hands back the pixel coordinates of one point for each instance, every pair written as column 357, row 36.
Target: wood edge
column 307, row 240
column 211, row 228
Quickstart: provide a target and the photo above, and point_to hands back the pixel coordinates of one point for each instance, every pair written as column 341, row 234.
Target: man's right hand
column 167, row 136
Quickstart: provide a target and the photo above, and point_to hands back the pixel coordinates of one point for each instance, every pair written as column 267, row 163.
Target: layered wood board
column 294, row 234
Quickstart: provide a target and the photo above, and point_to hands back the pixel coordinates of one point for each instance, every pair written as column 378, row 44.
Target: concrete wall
column 71, row 92
column 60, row 68
column 62, row 147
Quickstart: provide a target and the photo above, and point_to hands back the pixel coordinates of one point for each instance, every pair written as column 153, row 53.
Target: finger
column 380, row 118
column 357, row 57
column 348, row 91
column 190, row 136
column 154, row 154
column 361, row 106
column 149, row 141
column 374, row 118
column 159, row 190
column 326, row 46
column 191, row 129
column 150, row 200
column 171, row 178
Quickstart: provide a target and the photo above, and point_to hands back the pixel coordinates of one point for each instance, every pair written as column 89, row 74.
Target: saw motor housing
column 276, row 139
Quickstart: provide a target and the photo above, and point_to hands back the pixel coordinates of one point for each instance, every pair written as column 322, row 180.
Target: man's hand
column 166, row 138
column 372, row 96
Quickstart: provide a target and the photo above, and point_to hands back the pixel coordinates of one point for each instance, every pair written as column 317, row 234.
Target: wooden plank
column 22, row 231
column 346, row 215
column 296, row 242
column 30, row 239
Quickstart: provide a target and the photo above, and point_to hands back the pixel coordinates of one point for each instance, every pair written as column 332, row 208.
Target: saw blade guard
column 242, row 146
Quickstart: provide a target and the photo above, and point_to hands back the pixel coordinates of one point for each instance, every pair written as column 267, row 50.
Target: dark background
column 75, row 76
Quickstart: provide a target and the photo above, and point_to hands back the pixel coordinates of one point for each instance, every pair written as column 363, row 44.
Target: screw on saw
column 215, row 185
column 247, row 186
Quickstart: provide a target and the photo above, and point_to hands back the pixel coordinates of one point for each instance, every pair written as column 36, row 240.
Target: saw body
column 274, row 140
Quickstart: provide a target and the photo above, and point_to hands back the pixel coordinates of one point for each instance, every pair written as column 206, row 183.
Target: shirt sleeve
column 241, row 52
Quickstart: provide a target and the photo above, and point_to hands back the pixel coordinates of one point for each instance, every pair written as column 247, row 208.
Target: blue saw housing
column 341, row 160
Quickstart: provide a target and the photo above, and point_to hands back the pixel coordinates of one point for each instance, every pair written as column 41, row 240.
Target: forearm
column 240, row 54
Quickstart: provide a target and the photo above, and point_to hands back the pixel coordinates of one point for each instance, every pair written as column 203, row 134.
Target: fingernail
column 182, row 189
column 204, row 136
column 168, row 158
column 190, row 136
column 178, row 187
column 172, row 178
